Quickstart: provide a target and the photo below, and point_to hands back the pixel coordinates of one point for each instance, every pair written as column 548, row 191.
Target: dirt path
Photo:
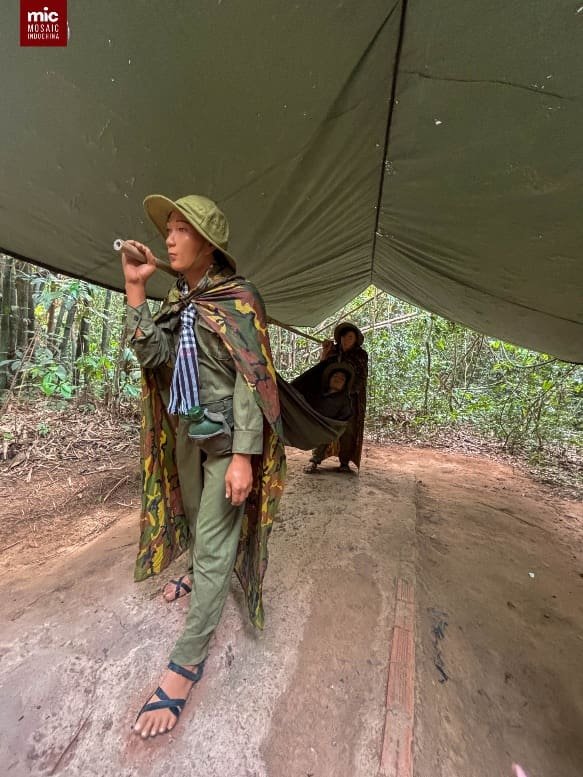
column 82, row 645
column 500, row 610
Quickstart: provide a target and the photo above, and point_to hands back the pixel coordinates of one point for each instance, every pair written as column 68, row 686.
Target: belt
column 224, row 405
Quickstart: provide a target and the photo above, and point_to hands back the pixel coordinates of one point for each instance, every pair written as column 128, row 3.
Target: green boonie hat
column 347, row 326
column 200, row 212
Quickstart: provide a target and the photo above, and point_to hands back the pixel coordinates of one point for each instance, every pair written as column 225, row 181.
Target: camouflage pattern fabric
column 164, row 529
column 233, row 309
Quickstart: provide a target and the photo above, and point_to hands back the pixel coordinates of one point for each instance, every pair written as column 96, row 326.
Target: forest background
column 64, row 355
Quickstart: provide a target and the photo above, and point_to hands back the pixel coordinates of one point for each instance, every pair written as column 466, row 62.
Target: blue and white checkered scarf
column 184, row 387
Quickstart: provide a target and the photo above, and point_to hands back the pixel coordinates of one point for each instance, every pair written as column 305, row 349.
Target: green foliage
column 49, row 375
column 74, row 356
column 426, row 373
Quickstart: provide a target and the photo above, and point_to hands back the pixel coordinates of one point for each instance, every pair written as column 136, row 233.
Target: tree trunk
column 106, row 328
column 52, row 341
column 453, row 373
column 278, row 348
column 82, row 342
column 293, row 354
column 66, row 338
column 120, row 360
column 51, row 320
column 6, row 335
column 22, row 283
column 18, row 314
column 31, row 316
column 427, row 368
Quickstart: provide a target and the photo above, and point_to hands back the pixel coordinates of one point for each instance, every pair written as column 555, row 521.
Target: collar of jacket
column 176, row 300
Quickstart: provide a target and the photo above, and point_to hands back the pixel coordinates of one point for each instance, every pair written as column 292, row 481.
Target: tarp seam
column 388, row 132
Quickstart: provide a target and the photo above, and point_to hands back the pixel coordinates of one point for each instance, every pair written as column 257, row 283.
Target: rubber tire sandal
column 164, row 701
column 180, row 585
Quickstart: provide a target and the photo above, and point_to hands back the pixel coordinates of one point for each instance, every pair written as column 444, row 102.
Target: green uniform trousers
column 215, row 526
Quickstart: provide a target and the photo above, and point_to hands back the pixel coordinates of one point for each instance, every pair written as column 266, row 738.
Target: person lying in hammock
column 333, row 401
column 328, row 391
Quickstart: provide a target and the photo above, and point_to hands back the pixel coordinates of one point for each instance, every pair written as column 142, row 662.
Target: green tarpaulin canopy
column 433, row 149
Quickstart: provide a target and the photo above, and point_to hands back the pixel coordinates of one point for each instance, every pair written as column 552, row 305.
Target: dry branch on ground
column 39, row 437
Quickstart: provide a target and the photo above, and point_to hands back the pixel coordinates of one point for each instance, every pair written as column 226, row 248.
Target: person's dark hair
column 220, row 260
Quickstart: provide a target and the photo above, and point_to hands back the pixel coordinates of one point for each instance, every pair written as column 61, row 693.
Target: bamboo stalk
column 391, row 321
column 295, row 331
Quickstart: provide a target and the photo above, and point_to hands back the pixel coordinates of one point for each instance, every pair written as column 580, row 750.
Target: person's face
column 187, row 249
column 348, row 340
column 337, row 381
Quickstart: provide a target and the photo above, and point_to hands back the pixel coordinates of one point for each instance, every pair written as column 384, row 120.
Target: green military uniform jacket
column 218, row 378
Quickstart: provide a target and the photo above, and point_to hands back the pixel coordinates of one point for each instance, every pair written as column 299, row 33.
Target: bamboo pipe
column 122, row 245
column 128, row 248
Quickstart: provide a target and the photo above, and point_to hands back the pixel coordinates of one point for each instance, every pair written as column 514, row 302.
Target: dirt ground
column 497, row 566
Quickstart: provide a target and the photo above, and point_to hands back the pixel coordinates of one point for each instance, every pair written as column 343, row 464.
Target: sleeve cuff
column 140, row 318
column 245, row 441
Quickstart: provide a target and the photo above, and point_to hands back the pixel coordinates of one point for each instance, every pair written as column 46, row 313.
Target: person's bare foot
column 176, row 687
column 175, row 589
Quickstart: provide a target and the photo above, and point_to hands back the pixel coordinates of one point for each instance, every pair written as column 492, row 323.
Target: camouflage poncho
column 232, row 308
